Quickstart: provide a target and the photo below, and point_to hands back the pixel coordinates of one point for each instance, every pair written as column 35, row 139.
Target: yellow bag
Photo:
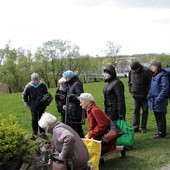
column 94, row 148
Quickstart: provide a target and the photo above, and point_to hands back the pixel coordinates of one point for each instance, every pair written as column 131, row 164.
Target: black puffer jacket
column 114, row 95
column 75, row 88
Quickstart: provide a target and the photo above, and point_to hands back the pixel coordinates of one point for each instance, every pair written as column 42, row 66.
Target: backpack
column 44, row 99
column 168, row 73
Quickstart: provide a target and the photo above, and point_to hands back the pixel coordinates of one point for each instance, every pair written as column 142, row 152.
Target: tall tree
column 56, row 51
column 111, row 51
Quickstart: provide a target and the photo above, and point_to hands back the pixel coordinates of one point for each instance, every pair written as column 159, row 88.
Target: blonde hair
column 86, row 96
column 62, row 80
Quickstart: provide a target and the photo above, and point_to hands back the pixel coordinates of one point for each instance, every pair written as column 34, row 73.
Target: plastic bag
column 127, row 139
column 94, row 148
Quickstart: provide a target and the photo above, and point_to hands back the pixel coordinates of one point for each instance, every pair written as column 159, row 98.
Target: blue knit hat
column 68, row 74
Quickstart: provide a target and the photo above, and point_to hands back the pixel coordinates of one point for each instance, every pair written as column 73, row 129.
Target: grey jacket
column 69, row 145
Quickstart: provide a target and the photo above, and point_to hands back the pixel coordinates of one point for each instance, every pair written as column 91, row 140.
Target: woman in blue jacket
column 158, row 97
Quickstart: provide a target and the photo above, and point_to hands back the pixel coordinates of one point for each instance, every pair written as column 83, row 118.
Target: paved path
column 167, row 167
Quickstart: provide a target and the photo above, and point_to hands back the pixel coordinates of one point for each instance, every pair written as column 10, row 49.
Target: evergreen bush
column 14, row 144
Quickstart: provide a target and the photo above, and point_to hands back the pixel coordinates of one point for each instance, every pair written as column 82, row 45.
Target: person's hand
column 64, row 107
column 88, row 136
column 27, row 105
column 58, row 159
column 120, row 116
column 61, row 96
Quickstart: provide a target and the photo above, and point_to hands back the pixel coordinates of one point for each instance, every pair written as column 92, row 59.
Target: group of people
column 149, row 89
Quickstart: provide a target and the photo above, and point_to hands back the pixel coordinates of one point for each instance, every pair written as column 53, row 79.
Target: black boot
column 123, row 152
column 101, row 161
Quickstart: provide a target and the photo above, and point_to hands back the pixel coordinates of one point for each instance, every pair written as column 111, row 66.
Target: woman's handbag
column 127, row 139
column 114, row 132
column 44, row 99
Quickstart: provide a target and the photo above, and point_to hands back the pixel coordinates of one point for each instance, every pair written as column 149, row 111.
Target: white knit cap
column 86, row 96
column 62, row 80
column 47, row 119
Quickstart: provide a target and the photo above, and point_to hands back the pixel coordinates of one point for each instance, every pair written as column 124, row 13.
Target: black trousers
column 161, row 123
column 35, row 118
column 140, row 104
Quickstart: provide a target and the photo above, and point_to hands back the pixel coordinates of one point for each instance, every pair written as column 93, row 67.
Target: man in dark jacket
column 114, row 99
column 139, row 83
column 74, row 112
column 31, row 94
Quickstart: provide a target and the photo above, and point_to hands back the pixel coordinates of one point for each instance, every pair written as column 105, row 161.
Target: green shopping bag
column 127, row 139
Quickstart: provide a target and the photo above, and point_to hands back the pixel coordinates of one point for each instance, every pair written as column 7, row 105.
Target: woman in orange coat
column 99, row 124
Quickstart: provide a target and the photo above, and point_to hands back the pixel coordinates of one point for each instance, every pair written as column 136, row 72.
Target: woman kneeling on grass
column 99, row 124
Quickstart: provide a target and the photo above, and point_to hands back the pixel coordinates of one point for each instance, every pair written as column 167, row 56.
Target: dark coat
column 60, row 101
column 114, row 95
column 69, row 145
column 158, row 93
column 139, row 83
column 31, row 94
column 75, row 88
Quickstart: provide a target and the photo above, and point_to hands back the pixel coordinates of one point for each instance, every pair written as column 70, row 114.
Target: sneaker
column 157, row 136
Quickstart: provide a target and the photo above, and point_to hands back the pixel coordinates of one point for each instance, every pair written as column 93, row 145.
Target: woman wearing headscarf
column 114, row 99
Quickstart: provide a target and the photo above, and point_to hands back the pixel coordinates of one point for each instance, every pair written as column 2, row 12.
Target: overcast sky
column 139, row 26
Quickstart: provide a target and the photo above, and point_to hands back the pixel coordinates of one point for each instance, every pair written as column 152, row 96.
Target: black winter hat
column 135, row 65
column 111, row 70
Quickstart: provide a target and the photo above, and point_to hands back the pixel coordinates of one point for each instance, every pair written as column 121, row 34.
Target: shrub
column 13, row 142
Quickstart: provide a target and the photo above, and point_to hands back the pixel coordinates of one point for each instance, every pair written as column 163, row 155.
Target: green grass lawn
column 147, row 153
